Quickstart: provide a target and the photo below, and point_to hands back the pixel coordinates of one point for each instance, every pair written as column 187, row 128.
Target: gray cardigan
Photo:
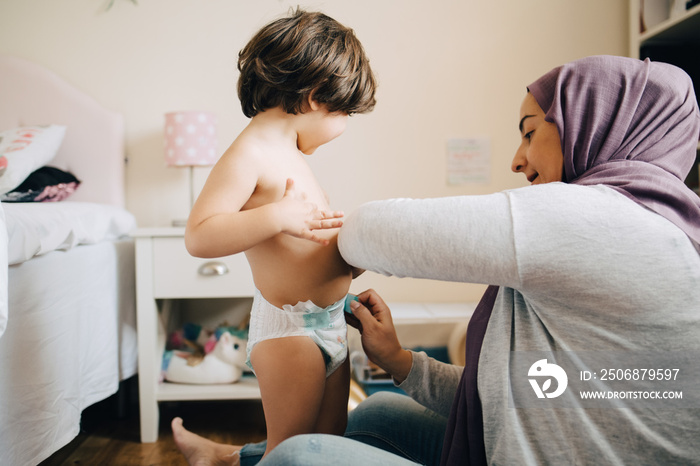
column 580, row 268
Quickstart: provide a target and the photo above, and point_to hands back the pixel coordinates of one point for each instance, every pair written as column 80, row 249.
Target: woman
column 602, row 255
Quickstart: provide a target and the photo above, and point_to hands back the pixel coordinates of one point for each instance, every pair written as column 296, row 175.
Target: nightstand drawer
column 179, row 275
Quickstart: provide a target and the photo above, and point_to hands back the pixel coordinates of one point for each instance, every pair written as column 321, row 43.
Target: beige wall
column 447, row 68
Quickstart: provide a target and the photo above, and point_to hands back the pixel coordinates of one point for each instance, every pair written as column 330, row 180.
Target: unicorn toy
column 224, row 364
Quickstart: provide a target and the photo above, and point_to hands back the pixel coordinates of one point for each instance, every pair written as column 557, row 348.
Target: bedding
column 36, row 229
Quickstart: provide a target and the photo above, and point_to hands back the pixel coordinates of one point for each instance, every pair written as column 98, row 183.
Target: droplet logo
column 543, row 369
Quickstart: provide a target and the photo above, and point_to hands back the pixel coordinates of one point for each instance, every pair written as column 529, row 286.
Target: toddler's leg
column 292, row 375
column 333, row 416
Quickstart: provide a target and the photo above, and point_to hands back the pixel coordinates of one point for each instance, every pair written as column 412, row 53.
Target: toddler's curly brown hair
column 306, row 54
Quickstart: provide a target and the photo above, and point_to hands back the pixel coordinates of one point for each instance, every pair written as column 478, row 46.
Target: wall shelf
column 675, row 40
column 682, row 28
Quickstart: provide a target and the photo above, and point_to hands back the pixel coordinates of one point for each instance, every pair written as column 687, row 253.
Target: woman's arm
column 462, row 239
column 430, row 382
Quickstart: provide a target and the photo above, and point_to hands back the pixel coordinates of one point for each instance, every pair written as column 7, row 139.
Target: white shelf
column 245, row 389
column 678, row 30
column 684, row 28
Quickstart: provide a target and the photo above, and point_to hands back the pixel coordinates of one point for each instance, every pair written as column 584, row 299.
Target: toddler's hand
column 301, row 218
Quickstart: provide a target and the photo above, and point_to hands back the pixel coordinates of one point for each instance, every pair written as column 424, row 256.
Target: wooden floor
column 109, row 438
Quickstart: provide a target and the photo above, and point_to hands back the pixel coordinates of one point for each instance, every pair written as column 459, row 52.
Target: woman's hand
column 372, row 317
column 300, row 218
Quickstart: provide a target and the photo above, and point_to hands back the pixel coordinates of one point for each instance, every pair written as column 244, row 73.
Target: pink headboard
column 93, row 148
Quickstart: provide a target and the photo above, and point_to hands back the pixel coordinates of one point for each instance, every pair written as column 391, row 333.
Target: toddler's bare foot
column 199, row 451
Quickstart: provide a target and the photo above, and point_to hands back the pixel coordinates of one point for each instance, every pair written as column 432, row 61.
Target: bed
column 67, row 302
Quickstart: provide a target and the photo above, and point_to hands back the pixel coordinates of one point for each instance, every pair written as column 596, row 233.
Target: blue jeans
column 386, row 429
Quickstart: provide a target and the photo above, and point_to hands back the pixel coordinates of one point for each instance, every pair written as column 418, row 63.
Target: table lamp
column 190, row 141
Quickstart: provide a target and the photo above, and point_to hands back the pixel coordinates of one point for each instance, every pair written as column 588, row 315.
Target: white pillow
column 25, row 149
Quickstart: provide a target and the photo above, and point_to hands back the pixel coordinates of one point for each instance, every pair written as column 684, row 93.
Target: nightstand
column 166, row 273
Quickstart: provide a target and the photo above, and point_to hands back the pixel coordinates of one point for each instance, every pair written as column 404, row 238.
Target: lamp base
column 183, row 222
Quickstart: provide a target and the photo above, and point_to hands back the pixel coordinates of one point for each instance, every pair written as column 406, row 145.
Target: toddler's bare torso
column 286, row 269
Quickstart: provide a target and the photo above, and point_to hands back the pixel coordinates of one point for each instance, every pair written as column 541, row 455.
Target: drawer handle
column 213, row 268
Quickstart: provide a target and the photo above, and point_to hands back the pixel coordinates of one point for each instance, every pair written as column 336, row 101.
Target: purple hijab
column 629, row 124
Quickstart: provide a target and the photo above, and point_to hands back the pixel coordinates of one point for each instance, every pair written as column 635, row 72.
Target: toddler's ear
column 313, row 105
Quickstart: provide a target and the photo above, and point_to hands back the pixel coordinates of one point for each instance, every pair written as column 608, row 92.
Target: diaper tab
column 348, row 299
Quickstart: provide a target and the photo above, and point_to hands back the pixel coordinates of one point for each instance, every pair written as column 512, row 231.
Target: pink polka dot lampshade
column 190, row 139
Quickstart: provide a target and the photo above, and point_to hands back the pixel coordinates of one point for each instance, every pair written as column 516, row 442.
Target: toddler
column 300, row 78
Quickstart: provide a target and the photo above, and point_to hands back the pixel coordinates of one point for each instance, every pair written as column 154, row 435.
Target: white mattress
column 70, row 338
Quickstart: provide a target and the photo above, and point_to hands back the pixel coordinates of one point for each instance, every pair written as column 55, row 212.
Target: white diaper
column 326, row 327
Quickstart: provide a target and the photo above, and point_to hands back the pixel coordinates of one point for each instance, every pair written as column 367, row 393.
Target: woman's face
column 539, row 156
